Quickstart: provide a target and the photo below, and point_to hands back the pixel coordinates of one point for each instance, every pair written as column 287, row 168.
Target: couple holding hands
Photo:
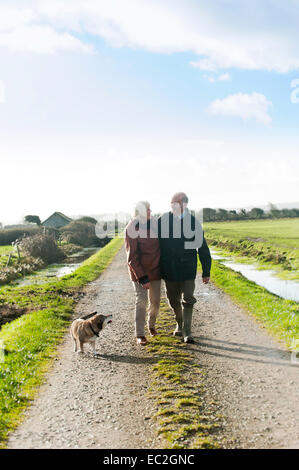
column 165, row 248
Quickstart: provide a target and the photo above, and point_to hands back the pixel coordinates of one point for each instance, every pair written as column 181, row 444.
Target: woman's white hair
column 141, row 209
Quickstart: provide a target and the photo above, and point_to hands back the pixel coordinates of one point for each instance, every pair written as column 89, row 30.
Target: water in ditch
column 57, row 270
column 287, row 289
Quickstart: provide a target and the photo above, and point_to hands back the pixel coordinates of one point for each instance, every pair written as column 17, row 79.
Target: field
column 282, row 233
column 271, row 243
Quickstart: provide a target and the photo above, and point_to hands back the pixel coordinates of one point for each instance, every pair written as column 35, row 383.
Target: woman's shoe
column 141, row 340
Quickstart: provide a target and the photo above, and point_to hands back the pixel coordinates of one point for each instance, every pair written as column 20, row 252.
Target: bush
column 43, row 247
column 81, row 233
column 25, row 267
column 7, row 236
column 88, row 219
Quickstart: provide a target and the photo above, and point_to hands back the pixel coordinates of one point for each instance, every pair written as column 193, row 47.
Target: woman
column 143, row 258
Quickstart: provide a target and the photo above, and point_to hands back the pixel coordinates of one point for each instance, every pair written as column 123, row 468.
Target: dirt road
column 101, row 402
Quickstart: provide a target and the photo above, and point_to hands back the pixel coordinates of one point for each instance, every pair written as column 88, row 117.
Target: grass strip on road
column 28, row 344
column 184, row 420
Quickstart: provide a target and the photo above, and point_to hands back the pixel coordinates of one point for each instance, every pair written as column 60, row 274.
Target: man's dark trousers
column 182, row 307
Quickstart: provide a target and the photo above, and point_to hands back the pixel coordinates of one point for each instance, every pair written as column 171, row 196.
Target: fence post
column 18, row 250
column 8, row 261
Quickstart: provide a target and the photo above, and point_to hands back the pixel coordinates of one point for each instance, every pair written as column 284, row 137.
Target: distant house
column 56, row 220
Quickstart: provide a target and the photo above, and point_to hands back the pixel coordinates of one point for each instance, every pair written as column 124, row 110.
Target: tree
column 33, row 219
column 243, row 213
column 256, row 213
column 222, row 214
column 209, row 214
column 233, row 215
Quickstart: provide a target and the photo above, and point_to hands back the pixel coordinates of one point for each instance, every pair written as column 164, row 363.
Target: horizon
column 265, row 207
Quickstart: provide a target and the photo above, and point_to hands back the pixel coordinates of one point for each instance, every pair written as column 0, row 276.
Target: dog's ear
column 85, row 317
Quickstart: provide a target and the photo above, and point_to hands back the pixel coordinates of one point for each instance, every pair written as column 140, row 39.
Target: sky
column 107, row 102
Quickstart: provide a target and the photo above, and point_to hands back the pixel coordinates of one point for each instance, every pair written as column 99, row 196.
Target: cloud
column 41, row 40
column 22, row 30
column 254, row 106
column 2, row 92
column 221, row 78
column 259, row 35
column 12, row 17
column 223, row 35
column 224, row 77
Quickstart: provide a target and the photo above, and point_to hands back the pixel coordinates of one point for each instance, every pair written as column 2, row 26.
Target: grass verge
column 28, row 344
column 184, row 419
column 279, row 316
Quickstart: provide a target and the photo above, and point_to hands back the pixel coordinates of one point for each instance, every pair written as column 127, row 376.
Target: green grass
column 272, row 244
column 282, row 233
column 30, row 341
column 279, row 316
column 4, row 252
column 5, row 249
column 183, row 419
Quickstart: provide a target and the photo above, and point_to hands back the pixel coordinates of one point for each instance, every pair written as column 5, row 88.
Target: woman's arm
column 133, row 258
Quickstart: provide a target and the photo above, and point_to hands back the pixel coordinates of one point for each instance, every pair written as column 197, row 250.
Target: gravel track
column 101, row 402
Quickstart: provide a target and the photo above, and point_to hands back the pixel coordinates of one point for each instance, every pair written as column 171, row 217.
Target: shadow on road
column 126, row 358
column 261, row 354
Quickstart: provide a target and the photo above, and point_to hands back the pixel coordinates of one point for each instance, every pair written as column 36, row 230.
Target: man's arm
column 205, row 259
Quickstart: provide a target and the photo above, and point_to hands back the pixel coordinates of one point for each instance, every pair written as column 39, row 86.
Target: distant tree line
column 216, row 215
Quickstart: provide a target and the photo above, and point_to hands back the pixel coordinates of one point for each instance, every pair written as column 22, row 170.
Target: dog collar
column 97, row 334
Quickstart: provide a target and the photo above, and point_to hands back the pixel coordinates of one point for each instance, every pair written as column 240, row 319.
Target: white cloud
column 221, row 78
column 12, row 17
column 23, row 30
column 41, row 40
column 224, row 77
column 2, row 92
column 223, row 34
column 254, row 106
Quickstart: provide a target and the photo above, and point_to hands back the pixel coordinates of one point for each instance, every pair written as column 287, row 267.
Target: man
column 181, row 238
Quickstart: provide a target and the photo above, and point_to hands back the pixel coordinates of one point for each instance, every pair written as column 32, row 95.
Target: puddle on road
column 266, row 278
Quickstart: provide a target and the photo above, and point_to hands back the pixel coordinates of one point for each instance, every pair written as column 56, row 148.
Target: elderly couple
column 158, row 249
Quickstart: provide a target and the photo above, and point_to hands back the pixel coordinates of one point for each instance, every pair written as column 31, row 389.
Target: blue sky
column 103, row 103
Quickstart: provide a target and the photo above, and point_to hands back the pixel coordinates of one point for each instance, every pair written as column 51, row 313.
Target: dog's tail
column 89, row 315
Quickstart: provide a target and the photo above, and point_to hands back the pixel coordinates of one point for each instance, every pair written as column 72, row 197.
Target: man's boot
column 179, row 323
column 187, row 323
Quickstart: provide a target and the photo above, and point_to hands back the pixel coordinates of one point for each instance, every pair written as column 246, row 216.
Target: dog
column 86, row 330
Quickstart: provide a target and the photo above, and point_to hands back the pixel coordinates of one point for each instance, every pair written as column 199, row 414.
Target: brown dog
column 87, row 329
